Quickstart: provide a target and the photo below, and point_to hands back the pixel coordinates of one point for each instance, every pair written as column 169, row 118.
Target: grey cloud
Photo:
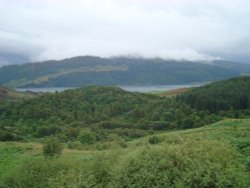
column 192, row 30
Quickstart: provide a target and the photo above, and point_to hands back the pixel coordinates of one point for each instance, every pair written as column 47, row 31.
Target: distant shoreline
column 133, row 88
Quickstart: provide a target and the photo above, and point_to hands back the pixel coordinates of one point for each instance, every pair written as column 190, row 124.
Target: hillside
column 89, row 70
column 100, row 110
column 171, row 93
column 213, row 156
column 113, row 138
column 107, row 111
column 232, row 94
column 6, row 93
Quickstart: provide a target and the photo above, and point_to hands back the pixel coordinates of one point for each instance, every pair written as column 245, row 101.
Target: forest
column 101, row 111
column 225, row 95
column 99, row 136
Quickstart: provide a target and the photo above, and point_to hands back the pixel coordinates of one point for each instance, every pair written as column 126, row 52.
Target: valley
column 124, row 94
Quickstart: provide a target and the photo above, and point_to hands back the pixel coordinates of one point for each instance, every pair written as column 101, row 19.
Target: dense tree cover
column 94, row 114
column 88, row 70
column 232, row 94
column 210, row 156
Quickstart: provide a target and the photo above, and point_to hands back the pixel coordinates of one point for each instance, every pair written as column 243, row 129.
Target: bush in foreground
column 52, row 148
column 190, row 164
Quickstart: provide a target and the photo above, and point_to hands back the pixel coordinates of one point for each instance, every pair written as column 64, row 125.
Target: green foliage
column 100, row 110
column 104, row 111
column 104, row 120
column 75, row 145
column 61, row 172
column 193, row 164
column 9, row 158
column 52, row 148
column 243, row 145
column 87, row 137
column 34, row 173
column 154, row 140
column 7, row 136
column 211, row 156
column 189, row 164
column 232, row 94
column 48, row 130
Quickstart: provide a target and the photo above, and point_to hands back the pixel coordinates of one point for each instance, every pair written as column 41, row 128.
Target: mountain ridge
column 93, row 70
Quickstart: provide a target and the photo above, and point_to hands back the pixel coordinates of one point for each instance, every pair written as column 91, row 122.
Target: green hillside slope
column 103, row 112
column 232, row 94
column 113, row 138
column 216, row 155
column 100, row 110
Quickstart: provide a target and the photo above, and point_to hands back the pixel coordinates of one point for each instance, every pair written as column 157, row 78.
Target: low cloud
column 191, row 30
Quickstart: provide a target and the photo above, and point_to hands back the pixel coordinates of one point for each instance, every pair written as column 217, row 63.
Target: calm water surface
column 141, row 89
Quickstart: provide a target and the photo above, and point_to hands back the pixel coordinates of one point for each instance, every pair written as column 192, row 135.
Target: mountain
column 89, row 70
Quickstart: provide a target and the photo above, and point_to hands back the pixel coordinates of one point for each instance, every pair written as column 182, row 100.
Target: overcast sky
column 37, row 30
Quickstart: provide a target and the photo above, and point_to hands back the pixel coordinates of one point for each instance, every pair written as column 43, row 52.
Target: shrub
column 87, row 137
column 192, row 164
column 34, row 172
column 154, row 140
column 6, row 136
column 52, row 148
column 93, row 171
column 75, row 145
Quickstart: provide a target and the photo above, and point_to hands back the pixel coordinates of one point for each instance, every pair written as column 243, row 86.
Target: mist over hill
column 92, row 70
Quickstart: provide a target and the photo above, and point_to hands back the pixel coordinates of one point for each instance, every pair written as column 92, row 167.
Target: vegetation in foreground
column 100, row 129
column 212, row 156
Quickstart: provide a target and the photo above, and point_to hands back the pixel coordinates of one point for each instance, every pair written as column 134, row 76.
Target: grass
column 226, row 144
column 227, row 130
